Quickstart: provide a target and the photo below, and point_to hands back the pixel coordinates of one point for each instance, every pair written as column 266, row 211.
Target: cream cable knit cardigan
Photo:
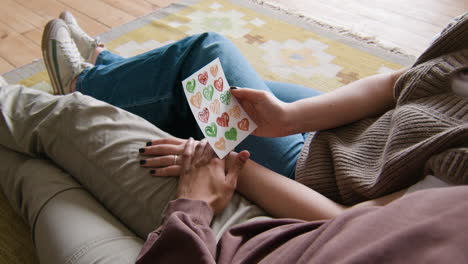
column 426, row 133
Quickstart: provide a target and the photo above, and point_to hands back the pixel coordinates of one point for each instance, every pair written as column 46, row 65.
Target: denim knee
column 214, row 37
column 216, row 43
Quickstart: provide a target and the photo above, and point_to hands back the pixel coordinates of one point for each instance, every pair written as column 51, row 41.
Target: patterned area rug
column 280, row 47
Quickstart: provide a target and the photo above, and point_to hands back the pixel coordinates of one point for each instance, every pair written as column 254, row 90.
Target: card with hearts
column 220, row 116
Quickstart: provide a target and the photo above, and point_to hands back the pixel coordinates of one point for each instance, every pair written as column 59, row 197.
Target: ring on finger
column 175, row 159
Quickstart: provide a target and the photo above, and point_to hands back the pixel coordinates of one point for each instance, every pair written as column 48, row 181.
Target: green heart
column 190, row 86
column 231, row 134
column 208, row 92
column 211, row 130
column 226, row 97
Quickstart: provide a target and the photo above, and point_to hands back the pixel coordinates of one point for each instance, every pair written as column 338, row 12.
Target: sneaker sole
column 49, row 48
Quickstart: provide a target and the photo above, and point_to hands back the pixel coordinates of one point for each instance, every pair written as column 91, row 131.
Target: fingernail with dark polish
column 152, row 171
column 234, row 87
column 142, row 162
column 149, row 143
column 142, row 150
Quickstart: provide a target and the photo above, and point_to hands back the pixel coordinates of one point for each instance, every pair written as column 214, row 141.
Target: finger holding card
column 218, row 114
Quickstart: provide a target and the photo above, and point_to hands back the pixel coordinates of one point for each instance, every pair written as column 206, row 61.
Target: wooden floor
column 396, row 23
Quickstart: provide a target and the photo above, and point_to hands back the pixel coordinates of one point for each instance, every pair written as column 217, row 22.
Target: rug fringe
column 370, row 40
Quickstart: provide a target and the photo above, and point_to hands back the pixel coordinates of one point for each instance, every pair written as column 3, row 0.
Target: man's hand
column 204, row 176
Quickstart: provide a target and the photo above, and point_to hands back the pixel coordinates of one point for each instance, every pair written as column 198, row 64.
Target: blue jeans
column 150, row 86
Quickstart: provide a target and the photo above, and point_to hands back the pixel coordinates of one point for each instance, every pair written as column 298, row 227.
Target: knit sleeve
column 184, row 237
column 450, row 165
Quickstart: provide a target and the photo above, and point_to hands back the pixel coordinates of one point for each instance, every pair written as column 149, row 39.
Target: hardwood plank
column 5, row 66
column 16, row 23
column 5, row 30
column 35, row 36
column 136, row 8
column 38, row 6
column 54, row 9
column 88, row 24
column 18, row 50
column 100, row 11
column 19, row 18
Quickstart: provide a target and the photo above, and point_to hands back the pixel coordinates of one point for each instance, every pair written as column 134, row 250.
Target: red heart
column 218, row 84
column 243, row 124
column 223, row 120
column 203, row 115
column 203, row 77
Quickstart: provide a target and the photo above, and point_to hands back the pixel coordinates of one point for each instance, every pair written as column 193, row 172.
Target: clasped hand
column 203, row 176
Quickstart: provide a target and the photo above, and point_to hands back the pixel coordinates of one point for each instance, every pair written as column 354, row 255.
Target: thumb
column 247, row 94
column 237, row 166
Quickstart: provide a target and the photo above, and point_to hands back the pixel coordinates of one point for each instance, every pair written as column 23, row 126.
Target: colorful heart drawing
column 226, row 97
column 204, row 115
column 214, row 70
column 211, row 130
column 223, row 120
column 203, row 77
column 196, row 99
column 231, row 134
column 190, row 86
column 220, row 144
column 243, row 124
column 218, row 84
column 235, row 112
column 214, row 106
column 208, row 92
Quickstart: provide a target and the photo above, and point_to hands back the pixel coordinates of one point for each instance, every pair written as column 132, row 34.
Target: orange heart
column 235, row 112
column 196, row 100
column 214, row 70
column 220, row 144
column 243, row 124
column 214, row 106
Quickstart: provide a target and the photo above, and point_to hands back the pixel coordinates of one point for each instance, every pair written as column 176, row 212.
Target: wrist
column 287, row 118
column 200, row 211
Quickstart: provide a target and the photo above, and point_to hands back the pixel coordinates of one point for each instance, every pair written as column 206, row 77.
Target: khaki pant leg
column 67, row 223
column 98, row 144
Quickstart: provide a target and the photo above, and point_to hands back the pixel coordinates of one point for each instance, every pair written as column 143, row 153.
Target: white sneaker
column 86, row 44
column 3, row 82
column 61, row 56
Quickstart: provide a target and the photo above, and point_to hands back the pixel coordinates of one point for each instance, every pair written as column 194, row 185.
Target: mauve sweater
column 427, row 226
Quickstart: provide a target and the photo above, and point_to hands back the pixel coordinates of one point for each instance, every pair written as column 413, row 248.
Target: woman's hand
column 164, row 156
column 204, row 176
column 268, row 112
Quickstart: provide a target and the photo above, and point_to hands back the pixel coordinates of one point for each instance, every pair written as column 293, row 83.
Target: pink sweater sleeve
column 184, row 237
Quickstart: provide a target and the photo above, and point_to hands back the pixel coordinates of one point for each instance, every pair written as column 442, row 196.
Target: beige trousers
column 70, row 166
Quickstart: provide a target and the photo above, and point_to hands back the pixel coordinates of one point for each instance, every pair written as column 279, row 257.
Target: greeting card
column 220, row 116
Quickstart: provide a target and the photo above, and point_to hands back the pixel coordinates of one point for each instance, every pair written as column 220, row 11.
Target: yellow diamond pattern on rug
column 279, row 51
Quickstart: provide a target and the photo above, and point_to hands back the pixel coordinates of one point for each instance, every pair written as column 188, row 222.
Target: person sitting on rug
column 377, row 136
